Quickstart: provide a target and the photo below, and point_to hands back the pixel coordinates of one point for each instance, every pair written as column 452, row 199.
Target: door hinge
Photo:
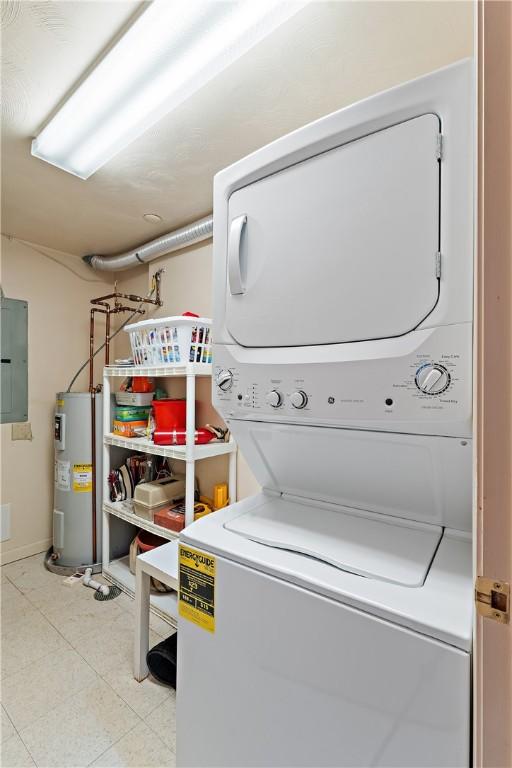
column 439, row 146
column 438, row 264
column 492, row 598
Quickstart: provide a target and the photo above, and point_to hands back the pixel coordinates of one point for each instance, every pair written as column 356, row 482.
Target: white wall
column 58, row 333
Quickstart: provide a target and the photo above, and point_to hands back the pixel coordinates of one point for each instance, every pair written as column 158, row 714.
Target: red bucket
column 169, row 414
column 146, row 541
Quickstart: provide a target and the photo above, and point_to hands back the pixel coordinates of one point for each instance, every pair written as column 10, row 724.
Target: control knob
column 224, row 380
column 432, row 378
column 274, row 398
column 299, row 399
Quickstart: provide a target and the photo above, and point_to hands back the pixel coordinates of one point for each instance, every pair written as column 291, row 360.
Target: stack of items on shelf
column 168, row 341
column 133, row 409
column 139, row 468
column 173, row 516
column 145, row 411
column 156, row 493
column 170, row 422
column 131, row 421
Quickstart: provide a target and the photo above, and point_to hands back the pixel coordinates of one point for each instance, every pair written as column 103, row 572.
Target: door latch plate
column 492, row 598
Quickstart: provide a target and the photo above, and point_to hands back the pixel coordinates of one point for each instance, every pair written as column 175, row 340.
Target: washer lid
column 424, row 478
column 375, row 546
column 442, row 608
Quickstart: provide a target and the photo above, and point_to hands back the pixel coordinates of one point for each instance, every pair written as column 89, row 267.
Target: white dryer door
column 341, row 247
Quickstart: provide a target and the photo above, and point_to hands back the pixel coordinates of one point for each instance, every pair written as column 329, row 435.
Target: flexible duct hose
column 173, row 241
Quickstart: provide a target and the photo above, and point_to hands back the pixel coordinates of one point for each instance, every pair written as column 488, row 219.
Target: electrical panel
column 14, row 383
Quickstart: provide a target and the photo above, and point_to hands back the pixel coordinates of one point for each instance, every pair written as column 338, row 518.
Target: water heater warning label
column 82, row 478
column 197, row 587
column 62, row 475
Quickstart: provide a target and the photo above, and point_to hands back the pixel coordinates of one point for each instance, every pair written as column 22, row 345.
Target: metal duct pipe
column 173, row 241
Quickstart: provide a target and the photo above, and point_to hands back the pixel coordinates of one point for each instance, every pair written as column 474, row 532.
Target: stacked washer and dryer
column 340, row 600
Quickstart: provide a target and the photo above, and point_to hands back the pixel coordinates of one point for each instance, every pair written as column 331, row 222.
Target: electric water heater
column 72, row 508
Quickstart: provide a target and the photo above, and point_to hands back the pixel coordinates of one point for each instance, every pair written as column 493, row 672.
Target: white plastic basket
column 171, row 340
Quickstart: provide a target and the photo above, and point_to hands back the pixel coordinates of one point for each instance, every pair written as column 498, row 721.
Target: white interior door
column 340, row 247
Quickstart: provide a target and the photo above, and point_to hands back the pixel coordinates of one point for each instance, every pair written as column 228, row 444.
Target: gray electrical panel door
column 14, row 384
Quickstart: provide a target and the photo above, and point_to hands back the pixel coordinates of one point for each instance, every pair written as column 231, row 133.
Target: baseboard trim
column 27, row 551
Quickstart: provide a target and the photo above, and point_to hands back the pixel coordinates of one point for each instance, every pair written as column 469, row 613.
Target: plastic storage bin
column 146, row 541
column 134, row 398
column 153, row 496
column 171, row 340
column 170, row 414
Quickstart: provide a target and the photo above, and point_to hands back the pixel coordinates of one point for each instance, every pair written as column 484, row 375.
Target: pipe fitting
column 88, row 581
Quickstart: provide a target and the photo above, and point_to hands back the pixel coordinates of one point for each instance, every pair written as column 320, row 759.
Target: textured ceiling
column 328, row 55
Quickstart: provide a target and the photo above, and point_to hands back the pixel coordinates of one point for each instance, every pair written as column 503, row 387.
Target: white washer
column 313, row 665
column 335, row 627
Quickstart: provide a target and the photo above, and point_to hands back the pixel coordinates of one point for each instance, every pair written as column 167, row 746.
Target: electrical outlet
column 21, row 431
column 5, row 522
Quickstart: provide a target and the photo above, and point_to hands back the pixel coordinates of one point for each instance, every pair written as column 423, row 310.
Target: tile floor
column 67, row 690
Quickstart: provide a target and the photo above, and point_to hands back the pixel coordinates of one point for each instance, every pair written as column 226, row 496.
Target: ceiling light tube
column 172, row 50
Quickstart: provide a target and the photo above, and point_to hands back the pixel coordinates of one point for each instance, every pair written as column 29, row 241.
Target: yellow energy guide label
column 82, row 478
column 197, row 587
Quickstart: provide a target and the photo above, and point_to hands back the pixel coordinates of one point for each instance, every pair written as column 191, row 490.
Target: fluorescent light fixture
column 174, row 48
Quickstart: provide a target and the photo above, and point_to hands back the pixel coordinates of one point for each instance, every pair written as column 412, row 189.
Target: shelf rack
column 180, row 452
column 124, row 511
column 118, row 571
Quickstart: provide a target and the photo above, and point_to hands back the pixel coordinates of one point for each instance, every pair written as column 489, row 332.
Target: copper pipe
column 91, row 346
column 129, row 296
column 93, row 476
column 91, row 349
column 101, row 300
column 116, row 310
column 107, row 337
column 92, row 392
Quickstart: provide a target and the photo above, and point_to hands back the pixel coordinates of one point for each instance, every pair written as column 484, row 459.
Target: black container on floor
column 161, row 661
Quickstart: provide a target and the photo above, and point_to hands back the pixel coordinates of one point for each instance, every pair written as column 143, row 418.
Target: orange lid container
column 142, row 384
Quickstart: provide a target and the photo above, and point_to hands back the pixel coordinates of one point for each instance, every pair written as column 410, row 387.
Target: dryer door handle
column 236, row 285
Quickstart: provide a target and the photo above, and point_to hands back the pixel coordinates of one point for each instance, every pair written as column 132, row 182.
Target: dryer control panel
column 418, row 383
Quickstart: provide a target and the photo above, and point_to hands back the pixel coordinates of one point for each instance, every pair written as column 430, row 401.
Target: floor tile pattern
column 67, row 689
